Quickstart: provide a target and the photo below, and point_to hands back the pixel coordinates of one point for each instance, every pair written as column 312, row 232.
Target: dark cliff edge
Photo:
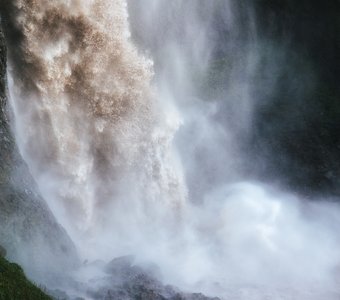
column 28, row 230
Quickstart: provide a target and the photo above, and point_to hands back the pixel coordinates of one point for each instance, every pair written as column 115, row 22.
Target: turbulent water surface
column 136, row 149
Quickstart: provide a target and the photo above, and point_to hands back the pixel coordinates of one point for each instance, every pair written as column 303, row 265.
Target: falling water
column 87, row 119
column 114, row 147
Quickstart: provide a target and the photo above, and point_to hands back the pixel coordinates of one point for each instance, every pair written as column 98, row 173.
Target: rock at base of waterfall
column 127, row 281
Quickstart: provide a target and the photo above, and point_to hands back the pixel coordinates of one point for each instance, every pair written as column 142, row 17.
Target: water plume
column 87, row 119
column 95, row 119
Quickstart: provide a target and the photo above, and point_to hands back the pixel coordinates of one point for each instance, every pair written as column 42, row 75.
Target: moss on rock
column 14, row 285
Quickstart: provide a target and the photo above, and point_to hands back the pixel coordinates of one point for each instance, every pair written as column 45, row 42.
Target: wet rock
column 3, row 251
column 127, row 281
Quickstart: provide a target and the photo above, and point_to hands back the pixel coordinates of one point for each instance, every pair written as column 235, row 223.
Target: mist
column 134, row 118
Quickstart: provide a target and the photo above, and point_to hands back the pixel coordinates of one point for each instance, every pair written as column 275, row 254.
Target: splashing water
column 97, row 131
column 87, row 120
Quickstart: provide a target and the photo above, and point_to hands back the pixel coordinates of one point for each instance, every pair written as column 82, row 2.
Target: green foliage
column 15, row 286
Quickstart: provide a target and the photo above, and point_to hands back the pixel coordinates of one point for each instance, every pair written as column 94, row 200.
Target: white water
column 91, row 129
column 133, row 162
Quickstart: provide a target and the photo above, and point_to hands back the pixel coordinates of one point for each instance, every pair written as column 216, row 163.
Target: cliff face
column 296, row 128
column 28, row 230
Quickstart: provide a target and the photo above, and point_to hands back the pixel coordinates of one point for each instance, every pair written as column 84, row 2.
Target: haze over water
column 136, row 152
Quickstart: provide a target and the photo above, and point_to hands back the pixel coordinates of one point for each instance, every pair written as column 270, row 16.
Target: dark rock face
column 28, row 229
column 296, row 129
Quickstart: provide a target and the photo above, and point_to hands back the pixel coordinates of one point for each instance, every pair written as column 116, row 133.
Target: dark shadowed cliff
column 296, row 127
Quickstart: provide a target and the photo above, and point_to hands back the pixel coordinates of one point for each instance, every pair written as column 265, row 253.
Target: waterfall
column 87, row 117
column 136, row 144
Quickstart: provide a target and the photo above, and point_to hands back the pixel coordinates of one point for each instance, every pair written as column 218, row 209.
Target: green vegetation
column 15, row 286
